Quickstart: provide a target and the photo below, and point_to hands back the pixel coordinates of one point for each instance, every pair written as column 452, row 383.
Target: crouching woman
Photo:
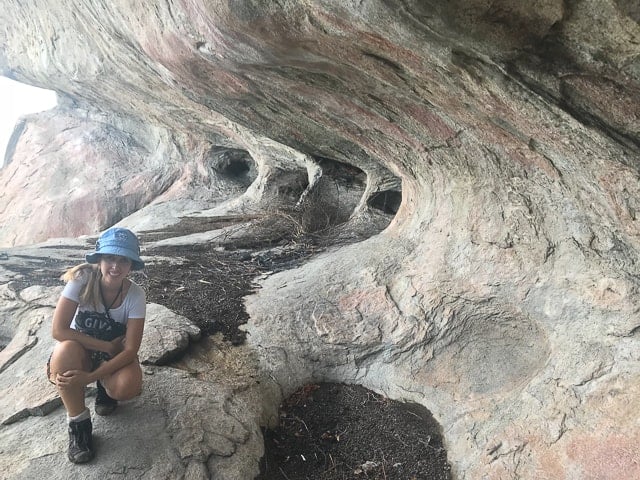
column 98, row 324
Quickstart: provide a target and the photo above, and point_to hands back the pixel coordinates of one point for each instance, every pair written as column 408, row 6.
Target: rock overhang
column 513, row 130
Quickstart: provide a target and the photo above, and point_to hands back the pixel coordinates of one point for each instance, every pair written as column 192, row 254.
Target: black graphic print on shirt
column 99, row 325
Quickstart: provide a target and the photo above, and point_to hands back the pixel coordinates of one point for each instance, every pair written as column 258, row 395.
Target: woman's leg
column 70, row 355
column 124, row 384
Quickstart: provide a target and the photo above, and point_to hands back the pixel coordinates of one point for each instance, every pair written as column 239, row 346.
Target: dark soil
column 327, row 431
column 334, row 431
column 207, row 287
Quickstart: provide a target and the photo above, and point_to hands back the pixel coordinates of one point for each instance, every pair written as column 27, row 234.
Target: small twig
column 339, row 434
column 397, row 436
column 384, row 473
column 333, row 464
column 284, row 474
column 295, row 417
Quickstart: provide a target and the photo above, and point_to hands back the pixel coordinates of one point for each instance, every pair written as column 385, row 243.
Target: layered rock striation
column 502, row 296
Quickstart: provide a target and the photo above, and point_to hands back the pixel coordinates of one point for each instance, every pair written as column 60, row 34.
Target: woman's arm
column 61, row 329
column 128, row 352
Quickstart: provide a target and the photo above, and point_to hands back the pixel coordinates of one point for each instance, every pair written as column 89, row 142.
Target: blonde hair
column 90, row 294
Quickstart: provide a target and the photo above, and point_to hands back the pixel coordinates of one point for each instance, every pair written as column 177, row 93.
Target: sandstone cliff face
column 503, row 296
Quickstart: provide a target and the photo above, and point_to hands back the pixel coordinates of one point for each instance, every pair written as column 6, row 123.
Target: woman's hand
column 116, row 346
column 73, row 379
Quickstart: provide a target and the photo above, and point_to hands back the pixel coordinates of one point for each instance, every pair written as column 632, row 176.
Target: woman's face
column 114, row 268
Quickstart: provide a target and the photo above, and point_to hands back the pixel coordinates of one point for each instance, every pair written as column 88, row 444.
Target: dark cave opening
column 387, row 201
column 236, row 168
column 234, row 164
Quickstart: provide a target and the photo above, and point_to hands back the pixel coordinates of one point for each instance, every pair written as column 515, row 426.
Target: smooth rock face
column 503, row 296
column 80, row 173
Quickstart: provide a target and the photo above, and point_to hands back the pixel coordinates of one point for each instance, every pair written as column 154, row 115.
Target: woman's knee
column 70, row 352
column 126, row 383
column 126, row 391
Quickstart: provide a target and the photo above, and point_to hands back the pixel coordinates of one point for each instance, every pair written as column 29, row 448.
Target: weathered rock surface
column 503, row 296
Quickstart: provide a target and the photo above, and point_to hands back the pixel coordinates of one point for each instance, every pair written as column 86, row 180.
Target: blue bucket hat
column 118, row 241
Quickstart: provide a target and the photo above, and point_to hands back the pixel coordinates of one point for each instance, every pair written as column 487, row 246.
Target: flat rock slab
column 177, row 428
column 180, row 427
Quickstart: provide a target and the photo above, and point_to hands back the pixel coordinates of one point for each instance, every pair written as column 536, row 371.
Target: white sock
column 78, row 418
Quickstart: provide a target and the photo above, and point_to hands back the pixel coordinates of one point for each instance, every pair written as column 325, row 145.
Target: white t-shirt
column 134, row 304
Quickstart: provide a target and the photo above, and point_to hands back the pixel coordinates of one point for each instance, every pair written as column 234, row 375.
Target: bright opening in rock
column 18, row 99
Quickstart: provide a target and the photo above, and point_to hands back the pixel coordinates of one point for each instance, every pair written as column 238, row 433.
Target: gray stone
column 502, row 296
column 166, row 335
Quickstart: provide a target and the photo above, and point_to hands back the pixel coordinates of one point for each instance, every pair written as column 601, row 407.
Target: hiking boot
column 80, row 441
column 105, row 405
